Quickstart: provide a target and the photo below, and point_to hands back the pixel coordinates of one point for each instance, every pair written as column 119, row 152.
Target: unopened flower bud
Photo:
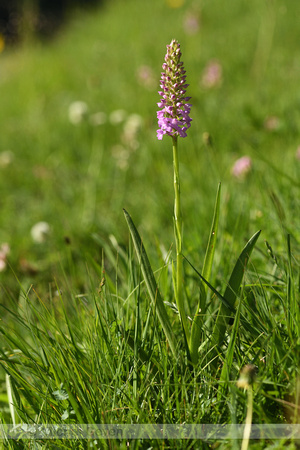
column 247, row 376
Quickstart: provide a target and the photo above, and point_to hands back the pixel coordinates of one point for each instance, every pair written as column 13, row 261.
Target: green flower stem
column 248, row 423
column 178, row 239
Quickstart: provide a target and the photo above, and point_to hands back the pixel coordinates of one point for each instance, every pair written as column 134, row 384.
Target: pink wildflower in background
column 272, row 123
column 191, row 23
column 298, row 153
column 173, row 117
column 4, row 251
column 241, row 167
column 146, row 77
column 212, row 74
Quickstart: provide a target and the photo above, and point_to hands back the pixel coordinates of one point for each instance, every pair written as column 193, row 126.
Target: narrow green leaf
column 210, row 250
column 232, row 290
column 225, row 374
column 151, row 283
column 10, row 390
column 72, row 398
column 144, row 356
column 293, row 313
column 217, row 293
column 206, row 272
column 239, row 270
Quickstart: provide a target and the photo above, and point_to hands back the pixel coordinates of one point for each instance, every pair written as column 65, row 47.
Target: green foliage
column 197, row 325
column 149, row 278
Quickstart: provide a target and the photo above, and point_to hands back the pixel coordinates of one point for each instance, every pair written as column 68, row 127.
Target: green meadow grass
column 80, row 338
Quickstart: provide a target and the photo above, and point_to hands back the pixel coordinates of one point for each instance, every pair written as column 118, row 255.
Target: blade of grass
column 232, row 290
column 136, row 345
column 10, row 399
column 225, row 374
column 143, row 355
column 293, row 323
column 207, row 266
column 151, row 283
column 220, row 296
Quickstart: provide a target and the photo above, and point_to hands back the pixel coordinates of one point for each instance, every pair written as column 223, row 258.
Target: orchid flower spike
column 173, row 116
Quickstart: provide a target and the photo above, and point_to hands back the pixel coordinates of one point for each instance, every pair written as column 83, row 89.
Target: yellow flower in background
column 2, row 43
column 175, row 3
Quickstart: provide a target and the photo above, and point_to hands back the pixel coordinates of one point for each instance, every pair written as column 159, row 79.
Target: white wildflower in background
column 4, row 251
column 78, row 112
column 117, row 116
column 121, row 155
column 99, row 118
column 40, row 232
column 6, row 158
column 131, row 129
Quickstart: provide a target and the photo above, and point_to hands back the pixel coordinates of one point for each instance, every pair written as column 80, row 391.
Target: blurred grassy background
column 76, row 165
column 77, row 178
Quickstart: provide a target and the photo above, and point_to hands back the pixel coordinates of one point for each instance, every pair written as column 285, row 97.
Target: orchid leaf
column 150, row 281
column 232, row 290
column 206, row 272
